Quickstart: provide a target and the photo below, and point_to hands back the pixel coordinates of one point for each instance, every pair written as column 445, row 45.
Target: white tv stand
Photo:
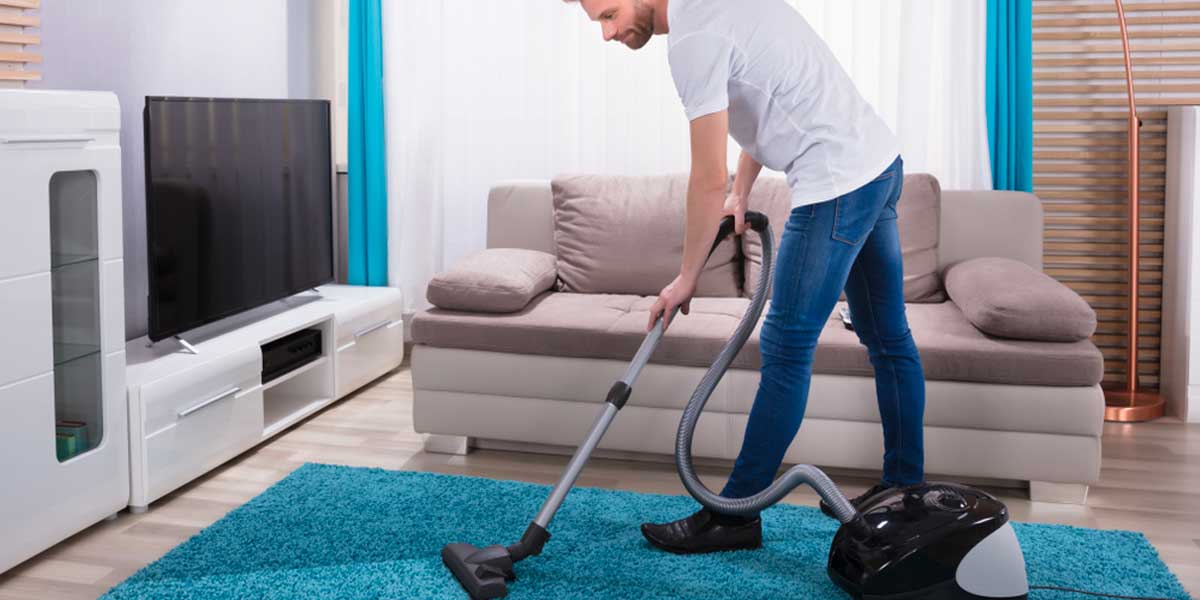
column 190, row 412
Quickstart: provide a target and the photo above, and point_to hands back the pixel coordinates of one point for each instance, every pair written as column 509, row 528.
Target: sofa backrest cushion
column 624, row 235
column 919, row 211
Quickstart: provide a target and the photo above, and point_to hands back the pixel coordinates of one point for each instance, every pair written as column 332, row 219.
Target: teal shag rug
column 343, row 532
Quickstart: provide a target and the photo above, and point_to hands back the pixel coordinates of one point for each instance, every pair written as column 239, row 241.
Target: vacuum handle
column 756, row 220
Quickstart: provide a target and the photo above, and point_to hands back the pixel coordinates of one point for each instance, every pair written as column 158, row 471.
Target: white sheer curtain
column 481, row 92
column 921, row 63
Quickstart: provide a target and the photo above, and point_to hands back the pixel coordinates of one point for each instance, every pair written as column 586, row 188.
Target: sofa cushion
column 1008, row 298
column 498, row 280
column 613, row 326
column 624, row 235
column 587, row 326
column 919, row 211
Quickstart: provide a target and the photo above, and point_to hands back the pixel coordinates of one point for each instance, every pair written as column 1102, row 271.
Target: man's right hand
column 735, row 205
column 677, row 294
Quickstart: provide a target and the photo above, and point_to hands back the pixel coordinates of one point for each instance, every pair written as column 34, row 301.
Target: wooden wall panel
column 18, row 30
column 1081, row 155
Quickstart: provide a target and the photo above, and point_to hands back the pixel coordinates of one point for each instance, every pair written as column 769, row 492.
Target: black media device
column 289, row 353
column 239, row 206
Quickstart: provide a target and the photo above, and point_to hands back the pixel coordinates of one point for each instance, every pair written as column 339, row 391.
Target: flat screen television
column 239, row 206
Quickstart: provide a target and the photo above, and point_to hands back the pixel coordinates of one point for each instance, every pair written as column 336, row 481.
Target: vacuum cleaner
column 938, row 541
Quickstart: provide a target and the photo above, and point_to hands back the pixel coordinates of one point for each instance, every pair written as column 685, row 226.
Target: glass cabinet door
column 75, row 298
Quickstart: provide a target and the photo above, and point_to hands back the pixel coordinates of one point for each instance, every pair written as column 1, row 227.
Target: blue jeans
column 849, row 243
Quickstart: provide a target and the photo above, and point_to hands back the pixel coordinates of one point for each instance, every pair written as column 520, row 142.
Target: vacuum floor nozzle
column 483, row 573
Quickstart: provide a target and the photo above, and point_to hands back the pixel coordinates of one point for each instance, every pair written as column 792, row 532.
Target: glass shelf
column 59, row 260
column 65, row 353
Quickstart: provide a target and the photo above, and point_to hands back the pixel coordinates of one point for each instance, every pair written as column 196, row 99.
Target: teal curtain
column 1010, row 93
column 367, row 202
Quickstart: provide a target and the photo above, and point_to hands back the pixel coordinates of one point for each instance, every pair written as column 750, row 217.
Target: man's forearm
column 747, row 171
column 707, row 187
column 705, row 199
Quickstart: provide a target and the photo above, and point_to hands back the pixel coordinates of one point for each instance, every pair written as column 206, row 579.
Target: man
column 756, row 70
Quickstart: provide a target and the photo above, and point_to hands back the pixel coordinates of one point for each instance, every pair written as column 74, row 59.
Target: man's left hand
column 735, row 206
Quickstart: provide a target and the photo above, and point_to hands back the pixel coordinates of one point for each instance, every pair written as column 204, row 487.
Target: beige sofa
column 997, row 409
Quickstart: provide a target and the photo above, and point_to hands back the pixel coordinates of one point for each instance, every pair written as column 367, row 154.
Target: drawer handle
column 371, row 329
column 47, row 139
column 187, row 411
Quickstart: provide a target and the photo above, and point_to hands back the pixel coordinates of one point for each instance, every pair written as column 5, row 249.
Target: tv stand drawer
column 213, row 432
column 165, row 400
column 369, row 356
column 369, row 325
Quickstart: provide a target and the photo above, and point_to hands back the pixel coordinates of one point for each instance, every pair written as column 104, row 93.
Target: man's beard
column 644, row 25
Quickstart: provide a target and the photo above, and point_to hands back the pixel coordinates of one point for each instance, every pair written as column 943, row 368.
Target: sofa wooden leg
column 448, row 444
column 1058, row 493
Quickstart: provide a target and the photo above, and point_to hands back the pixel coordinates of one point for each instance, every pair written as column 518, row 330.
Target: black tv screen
column 239, row 206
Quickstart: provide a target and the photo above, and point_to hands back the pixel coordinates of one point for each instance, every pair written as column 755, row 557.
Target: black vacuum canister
column 940, row 541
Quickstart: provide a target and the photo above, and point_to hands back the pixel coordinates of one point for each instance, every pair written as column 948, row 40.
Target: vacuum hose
column 794, row 477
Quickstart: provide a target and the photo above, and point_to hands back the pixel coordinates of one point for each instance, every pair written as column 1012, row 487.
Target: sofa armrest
column 495, row 280
column 520, row 214
column 977, row 224
column 1010, row 299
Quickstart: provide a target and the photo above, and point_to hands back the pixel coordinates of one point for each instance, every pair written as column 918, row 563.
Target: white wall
column 136, row 48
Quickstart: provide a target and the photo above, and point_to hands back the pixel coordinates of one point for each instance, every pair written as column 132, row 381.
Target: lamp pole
column 1131, row 404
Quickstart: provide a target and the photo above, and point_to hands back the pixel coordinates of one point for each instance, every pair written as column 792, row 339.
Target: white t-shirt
column 791, row 105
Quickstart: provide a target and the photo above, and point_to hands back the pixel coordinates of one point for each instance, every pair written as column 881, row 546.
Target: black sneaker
column 858, row 501
column 705, row 532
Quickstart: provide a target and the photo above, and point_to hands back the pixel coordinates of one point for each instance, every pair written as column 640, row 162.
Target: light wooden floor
column 1150, row 483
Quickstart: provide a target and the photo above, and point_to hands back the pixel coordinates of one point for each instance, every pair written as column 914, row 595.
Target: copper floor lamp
column 1131, row 404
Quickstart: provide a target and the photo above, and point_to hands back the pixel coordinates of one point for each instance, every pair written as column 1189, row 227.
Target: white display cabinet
column 64, row 448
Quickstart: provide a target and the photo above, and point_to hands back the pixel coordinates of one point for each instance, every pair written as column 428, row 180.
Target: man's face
column 630, row 22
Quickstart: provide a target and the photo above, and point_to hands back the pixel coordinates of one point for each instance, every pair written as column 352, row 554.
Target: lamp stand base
column 1123, row 406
